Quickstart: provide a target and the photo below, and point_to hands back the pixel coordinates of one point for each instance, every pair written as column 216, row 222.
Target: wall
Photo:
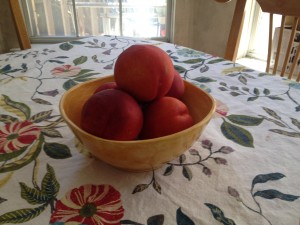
column 8, row 35
column 203, row 25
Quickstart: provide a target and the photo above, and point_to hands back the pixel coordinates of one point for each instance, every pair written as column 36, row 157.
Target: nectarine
column 165, row 116
column 112, row 114
column 107, row 85
column 177, row 88
column 144, row 71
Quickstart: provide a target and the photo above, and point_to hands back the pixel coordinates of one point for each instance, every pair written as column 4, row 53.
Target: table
column 244, row 169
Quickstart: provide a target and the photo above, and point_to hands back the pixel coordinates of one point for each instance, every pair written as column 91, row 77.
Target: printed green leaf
column 156, row 186
column 2, row 200
column 286, row 133
column 245, row 120
column 271, row 113
column 21, row 107
column 5, row 69
column 271, row 194
column 83, row 71
column 275, row 98
column 7, row 119
column 169, row 170
column 183, row 219
column 57, row 150
column 50, row 186
column 77, row 42
column 234, row 93
column 243, row 79
column 140, row 188
column 85, row 75
column 204, row 79
column 179, row 69
column 182, row 158
column 193, row 61
column 250, row 99
column 41, row 101
column 56, row 61
column 32, row 153
column 266, row 91
column 263, row 178
column 256, row 91
column 219, row 215
column 187, row 173
column 62, row 57
column 216, row 61
column 65, row 46
column 237, row 134
column 156, row 220
column 278, row 123
column 296, row 122
column 41, row 116
column 52, row 133
column 34, row 196
column 21, row 215
column 69, row 84
column 80, row 60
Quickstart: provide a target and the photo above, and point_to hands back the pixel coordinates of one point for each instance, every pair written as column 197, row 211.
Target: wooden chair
column 286, row 8
column 19, row 23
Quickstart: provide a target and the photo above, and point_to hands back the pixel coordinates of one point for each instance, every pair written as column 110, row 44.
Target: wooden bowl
column 137, row 155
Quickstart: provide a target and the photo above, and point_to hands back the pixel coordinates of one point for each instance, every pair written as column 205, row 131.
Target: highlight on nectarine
column 165, row 116
column 144, row 71
column 112, row 114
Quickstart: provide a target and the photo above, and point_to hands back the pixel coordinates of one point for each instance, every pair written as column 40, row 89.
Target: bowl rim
column 170, row 136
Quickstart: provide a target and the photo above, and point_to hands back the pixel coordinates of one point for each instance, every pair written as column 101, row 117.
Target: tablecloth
column 244, row 169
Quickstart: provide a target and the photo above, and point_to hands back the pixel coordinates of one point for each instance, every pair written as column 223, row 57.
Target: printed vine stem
column 290, row 97
column 259, row 212
column 34, row 174
column 199, row 161
column 153, row 178
column 185, row 75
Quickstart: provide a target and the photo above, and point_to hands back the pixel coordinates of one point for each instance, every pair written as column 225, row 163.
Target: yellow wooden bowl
column 138, row 155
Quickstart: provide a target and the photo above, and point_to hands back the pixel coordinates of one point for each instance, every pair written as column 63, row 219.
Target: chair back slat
column 279, row 44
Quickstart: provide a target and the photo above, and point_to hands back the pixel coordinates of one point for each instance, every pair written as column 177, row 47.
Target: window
column 56, row 20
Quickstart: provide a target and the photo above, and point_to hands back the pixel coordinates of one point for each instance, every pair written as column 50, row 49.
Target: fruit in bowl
column 137, row 155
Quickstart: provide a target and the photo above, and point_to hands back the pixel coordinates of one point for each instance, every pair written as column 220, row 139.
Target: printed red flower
column 90, row 204
column 66, row 70
column 221, row 109
column 14, row 136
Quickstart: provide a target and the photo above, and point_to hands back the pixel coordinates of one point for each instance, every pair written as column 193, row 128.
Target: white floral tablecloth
column 244, row 169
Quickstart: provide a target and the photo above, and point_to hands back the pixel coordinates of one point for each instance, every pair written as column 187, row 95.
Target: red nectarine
column 177, row 88
column 144, row 71
column 165, row 116
column 112, row 114
column 107, row 85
